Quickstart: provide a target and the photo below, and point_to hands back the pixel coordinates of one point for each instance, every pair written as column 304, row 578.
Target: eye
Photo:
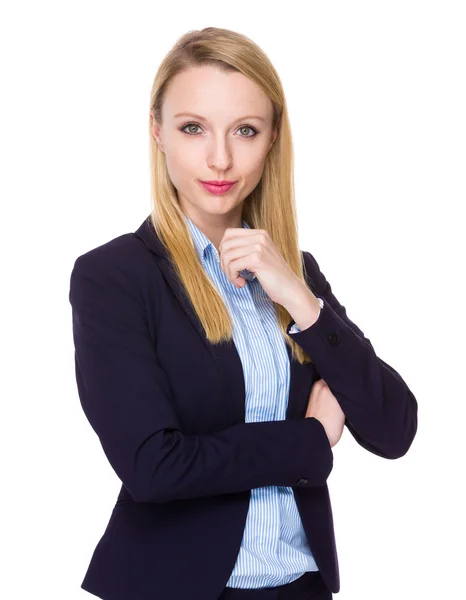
column 255, row 132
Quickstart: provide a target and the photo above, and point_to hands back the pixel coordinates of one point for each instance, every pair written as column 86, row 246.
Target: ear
column 156, row 131
column 275, row 133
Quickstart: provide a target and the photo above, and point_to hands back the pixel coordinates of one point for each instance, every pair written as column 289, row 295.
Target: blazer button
column 334, row 338
column 302, row 482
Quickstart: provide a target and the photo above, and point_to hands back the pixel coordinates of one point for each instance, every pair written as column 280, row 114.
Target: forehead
column 213, row 93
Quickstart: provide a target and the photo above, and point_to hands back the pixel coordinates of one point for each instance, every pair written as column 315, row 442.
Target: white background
column 376, row 94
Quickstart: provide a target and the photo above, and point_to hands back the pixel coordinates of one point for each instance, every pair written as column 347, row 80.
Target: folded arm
column 126, row 397
column 380, row 409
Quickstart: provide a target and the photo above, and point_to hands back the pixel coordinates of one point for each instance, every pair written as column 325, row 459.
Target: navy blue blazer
column 169, row 410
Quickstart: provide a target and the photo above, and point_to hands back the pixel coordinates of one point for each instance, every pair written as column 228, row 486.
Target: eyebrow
column 204, row 119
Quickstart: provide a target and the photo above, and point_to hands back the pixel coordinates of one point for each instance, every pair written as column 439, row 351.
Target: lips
column 219, row 181
column 216, row 188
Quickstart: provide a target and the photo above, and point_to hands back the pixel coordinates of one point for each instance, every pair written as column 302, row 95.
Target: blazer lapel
column 225, row 355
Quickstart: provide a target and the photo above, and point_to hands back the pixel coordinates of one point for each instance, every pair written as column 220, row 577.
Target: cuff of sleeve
column 333, row 346
column 295, row 328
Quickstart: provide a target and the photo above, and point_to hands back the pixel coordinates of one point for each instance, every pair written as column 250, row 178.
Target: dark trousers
column 310, row 586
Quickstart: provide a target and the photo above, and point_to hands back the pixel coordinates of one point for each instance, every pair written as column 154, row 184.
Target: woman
column 214, row 361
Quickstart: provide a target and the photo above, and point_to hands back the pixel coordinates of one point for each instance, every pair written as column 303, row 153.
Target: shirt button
column 302, row 482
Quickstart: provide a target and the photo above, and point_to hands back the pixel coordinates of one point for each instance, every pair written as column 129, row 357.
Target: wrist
column 304, row 308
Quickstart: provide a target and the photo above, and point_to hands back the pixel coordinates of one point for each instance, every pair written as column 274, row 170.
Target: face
column 224, row 133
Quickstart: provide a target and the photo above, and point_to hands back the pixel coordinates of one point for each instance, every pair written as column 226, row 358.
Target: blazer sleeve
column 125, row 397
column 380, row 409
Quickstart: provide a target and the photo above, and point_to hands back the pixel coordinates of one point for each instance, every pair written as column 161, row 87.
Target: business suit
column 174, row 429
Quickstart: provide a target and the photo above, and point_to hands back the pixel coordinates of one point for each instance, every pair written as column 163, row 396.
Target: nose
column 220, row 156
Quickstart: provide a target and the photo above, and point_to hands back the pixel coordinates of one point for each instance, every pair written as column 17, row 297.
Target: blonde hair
column 270, row 206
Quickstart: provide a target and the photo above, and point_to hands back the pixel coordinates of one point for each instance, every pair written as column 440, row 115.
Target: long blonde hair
column 270, row 206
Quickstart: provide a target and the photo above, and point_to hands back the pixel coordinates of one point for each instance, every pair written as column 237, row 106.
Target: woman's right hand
column 324, row 406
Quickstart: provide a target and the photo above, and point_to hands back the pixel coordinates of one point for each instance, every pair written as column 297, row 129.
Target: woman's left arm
column 380, row 409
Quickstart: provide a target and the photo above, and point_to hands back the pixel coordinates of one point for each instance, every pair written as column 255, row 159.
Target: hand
column 325, row 407
column 252, row 249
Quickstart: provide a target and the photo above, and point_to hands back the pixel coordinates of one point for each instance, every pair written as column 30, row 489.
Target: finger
column 235, row 270
column 239, row 237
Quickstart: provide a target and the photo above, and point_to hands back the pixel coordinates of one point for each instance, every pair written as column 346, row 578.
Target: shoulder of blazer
column 124, row 260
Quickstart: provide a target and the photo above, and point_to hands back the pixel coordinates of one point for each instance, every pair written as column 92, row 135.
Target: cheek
column 254, row 169
column 181, row 164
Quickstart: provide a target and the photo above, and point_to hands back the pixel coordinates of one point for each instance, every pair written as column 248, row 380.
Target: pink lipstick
column 218, row 187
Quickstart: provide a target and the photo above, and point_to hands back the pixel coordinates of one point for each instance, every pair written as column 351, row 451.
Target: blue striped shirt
column 274, row 550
